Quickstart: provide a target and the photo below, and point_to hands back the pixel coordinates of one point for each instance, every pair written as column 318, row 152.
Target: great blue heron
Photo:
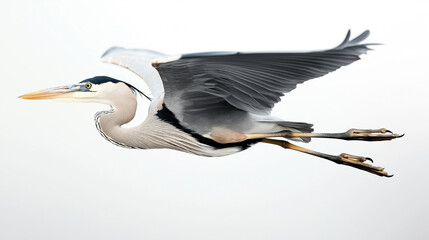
column 215, row 103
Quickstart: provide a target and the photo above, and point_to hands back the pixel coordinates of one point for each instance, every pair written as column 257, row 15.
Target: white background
column 60, row 180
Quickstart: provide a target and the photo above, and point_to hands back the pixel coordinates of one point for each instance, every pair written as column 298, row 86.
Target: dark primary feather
column 212, row 83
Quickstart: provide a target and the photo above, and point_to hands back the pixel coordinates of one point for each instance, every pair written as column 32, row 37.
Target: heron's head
column 99, row 89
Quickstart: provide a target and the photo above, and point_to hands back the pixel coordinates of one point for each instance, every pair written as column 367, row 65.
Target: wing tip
column 355, row 41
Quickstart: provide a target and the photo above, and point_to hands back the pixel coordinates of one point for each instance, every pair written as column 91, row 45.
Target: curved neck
column 109, row 122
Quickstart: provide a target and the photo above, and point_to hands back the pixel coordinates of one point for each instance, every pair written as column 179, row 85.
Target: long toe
column 359, row 163
column 371, row 134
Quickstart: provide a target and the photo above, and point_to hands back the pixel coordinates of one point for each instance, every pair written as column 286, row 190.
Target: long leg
column 345, row 159
column 352, row 134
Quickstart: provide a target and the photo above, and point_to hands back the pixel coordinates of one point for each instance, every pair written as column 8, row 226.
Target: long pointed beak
column 51, row 93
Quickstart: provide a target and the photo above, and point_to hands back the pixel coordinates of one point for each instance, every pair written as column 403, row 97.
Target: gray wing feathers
column 251, row 82
column 138, row 61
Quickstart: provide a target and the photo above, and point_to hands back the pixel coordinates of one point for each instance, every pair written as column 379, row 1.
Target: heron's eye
column 88, row 85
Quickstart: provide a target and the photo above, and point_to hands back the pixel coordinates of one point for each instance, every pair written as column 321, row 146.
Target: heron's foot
column 360, row 163
column 381, row 134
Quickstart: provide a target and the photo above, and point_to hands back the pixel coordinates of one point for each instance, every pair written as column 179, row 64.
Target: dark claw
column 401, row 135
column 389, row 176
column 369, row 159
column 388, row 131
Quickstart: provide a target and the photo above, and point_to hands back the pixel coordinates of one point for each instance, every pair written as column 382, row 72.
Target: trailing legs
column 352, row 134
column 345, row 159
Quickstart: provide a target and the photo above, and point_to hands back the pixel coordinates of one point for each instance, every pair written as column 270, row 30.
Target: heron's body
column 161, row 128
column 159, row 131
column 215, row 103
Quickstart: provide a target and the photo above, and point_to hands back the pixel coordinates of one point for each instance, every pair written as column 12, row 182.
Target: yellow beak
column 51, row 93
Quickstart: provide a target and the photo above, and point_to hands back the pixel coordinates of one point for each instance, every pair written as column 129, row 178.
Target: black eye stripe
column 104, row 79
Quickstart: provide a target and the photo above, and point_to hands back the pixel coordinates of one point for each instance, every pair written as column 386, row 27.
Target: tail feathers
column 296, row 126
column 300, row 126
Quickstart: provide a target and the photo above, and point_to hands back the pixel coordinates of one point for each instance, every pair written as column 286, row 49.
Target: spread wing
column 211, row 83
column 139, row 62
